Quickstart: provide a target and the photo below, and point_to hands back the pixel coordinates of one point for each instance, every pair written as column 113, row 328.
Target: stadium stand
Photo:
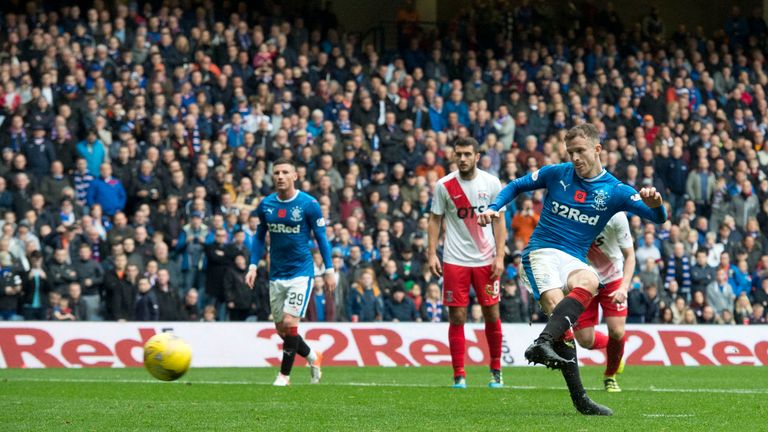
column 133, row 135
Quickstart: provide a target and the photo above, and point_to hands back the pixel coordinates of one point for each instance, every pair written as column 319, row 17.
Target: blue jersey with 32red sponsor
column 575, row 209
column 290, row 224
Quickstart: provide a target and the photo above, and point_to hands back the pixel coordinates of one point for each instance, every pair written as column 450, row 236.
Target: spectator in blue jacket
column 438, row 115
column 742, row 279
column 92, row 150
column 107, row 191
column 365, row 303
column 456, row 104
column 235, row 131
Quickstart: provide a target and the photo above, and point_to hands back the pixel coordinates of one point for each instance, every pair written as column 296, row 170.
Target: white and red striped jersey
column 461, row 201
column 605, row 253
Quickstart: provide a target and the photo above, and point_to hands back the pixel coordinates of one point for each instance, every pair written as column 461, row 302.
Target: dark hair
column 467, row 142
column 587, row 131
column 284, row 161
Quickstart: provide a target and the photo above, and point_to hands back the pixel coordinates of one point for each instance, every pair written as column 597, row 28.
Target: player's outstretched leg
column 563, row 317
column 566, row 313
column 614, row 354
column 543, row 352
column 570, row 372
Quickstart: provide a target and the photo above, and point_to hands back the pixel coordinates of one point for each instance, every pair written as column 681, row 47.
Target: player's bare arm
column 258, row 247
column 500, row 238
column 620, row 295
column 250, row 277
column 433, row 233
column 330, row 281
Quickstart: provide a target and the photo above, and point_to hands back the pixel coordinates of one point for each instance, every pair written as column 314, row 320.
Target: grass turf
column 378, row 399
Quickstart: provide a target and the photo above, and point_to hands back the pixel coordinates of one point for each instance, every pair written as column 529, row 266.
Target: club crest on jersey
column 580, row 196
column 296, row 214
column 601, row 201
column 492, row 289
column 483, row 196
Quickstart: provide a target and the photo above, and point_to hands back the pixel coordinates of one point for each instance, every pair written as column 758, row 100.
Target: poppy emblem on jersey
column 580, row 196
column 296, row 214
column 281, row 213
column 601, row 201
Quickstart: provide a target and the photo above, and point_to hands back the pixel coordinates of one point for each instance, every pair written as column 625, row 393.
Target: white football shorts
column 546, row 269
column 290, row 296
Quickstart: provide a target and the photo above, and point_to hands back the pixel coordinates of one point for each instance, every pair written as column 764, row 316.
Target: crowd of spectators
column 136, row 141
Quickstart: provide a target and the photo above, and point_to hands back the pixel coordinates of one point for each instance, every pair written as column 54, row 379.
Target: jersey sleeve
column 532, row 181
column 496, row 190
column 630, row 200
column 315, row 219
column 621, row 229
column 257, row 246
column 438, row 199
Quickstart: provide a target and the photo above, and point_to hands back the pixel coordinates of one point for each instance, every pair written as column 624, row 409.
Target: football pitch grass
column 379, row 399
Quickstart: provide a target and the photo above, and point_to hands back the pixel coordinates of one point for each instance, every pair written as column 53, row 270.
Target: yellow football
column 167, row 356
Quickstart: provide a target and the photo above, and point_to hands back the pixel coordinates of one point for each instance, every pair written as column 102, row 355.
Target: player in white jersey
column 612, row 254
column 472, row 255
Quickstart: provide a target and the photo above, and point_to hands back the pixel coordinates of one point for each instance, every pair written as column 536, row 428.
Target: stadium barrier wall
column 112, row 344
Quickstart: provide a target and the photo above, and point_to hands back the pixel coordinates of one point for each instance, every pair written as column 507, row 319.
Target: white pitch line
column 732, row 391
column 373, row 384
column 668, row 415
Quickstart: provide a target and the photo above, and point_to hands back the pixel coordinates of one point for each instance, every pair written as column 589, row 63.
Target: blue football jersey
column 575, row 209
column 290, row 225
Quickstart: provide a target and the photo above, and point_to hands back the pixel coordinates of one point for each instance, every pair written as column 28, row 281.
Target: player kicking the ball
column 472, row 255
column 290, row 216
column 581, row 197
column 613, row 256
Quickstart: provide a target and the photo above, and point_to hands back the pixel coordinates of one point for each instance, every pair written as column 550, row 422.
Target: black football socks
column 290, row 346
column 567, row 350
column 303, row 348
column 565, row 314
